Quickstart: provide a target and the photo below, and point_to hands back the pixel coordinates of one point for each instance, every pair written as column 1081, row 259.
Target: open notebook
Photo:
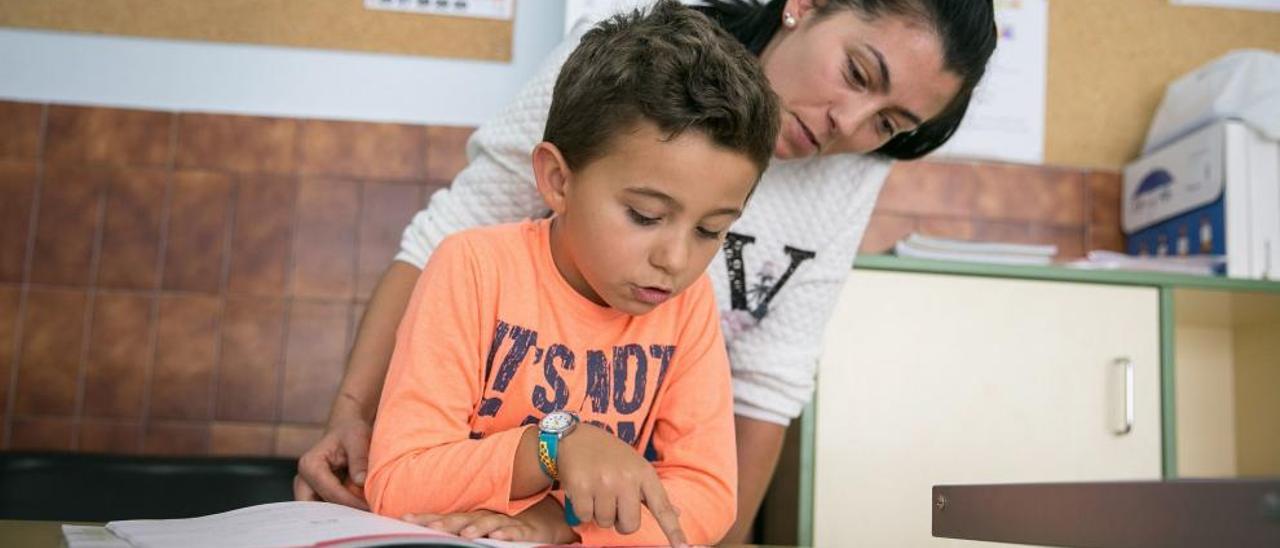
column 277, row 524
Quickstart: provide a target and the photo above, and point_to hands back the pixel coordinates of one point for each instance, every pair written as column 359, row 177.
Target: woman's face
column 849, row 85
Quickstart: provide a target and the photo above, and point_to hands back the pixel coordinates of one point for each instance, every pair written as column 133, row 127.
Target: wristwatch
column 552, row 428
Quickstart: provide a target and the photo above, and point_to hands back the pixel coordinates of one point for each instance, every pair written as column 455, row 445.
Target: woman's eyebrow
column 885, row 84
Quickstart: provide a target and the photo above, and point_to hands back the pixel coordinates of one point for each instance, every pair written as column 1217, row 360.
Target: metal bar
column 1237, row 513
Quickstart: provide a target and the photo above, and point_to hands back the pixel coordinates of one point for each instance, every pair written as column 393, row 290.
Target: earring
column 788, row 20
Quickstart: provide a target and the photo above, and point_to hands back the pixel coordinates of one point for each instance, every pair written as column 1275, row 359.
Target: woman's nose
column 851, row 117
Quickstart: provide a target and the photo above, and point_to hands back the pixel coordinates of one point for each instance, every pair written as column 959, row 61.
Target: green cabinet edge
column 1165, row 283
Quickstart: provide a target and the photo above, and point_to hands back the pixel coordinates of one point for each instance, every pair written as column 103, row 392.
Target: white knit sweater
column 776, row 280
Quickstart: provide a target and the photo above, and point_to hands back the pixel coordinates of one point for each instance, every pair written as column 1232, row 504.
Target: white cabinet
column 943, row 379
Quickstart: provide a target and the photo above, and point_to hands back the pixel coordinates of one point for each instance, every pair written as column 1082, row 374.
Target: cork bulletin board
column 326, row 24
column 1109, row 63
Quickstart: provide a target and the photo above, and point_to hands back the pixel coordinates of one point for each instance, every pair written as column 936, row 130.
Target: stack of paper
column 266, row 525
column 928, row 247
column 1204, row 265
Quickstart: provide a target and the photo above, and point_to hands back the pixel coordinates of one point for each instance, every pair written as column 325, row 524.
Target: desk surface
column 35, row 534
column 48, row 534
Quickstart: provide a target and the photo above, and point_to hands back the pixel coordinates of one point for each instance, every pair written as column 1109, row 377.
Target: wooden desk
column 32, row 534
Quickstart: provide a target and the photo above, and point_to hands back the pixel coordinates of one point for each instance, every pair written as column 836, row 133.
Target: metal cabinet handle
column 1128, row 395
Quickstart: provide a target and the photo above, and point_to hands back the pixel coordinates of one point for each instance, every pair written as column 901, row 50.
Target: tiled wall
column 190, row 283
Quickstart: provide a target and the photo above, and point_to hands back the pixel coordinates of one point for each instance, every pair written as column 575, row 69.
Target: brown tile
column 1107, row 237
column 242, row 144
column 94, row 135
column 1070, row 241
column 230, row 438
column 198, row 227
column 1104, row 189
column 1039, row 194
column 119, row 354
column 324, row 245
column 262, row 234
column 52, row 335
column 386, row 209
column 176, row 438
column 314, row 359
column 131, row 230
column 362, row 150
column 67, row 225
column 293, row 440
column 884, row 230
column 251, row 358
column 186, row 349
column 942, row 227
column 929, row 188
column 447, row 151
column 20, row 132
column 9, row 300
column 42, row 434
column 108, row 436
column 17, row 198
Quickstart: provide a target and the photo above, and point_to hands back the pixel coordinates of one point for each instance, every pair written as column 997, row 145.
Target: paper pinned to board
column 1005, row 120
column 486, row 9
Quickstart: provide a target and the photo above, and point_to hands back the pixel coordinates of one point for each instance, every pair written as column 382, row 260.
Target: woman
column 860, row 82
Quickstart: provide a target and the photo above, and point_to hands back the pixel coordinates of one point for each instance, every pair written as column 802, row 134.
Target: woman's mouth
column 802, row 140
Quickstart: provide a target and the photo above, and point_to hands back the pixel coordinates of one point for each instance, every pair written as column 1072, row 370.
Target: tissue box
column 1214, row 191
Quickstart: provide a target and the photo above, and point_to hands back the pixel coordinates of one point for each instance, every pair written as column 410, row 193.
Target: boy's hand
column 343, row 452
column 607, row 481
column 542, row 522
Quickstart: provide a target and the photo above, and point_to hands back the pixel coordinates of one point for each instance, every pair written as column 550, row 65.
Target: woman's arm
column 495, row 187
column 346, row 439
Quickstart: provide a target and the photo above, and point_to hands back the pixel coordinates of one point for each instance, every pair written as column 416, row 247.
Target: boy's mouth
column 651, row 295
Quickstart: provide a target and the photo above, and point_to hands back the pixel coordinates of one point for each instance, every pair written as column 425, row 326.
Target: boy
column 569, row 353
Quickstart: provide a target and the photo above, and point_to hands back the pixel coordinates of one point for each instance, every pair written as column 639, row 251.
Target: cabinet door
column 934, row 379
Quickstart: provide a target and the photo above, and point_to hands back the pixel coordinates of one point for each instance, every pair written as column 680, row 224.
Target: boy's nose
column 670, row 255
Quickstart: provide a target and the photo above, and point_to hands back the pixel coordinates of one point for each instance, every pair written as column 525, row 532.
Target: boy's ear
column 552, row 174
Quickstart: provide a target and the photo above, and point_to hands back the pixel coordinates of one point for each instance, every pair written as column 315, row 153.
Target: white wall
column 84, row 69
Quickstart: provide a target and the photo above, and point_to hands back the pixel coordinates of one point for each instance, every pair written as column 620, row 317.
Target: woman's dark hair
column 966, row 29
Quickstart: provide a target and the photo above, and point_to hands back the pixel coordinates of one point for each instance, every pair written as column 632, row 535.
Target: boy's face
column 640, row 224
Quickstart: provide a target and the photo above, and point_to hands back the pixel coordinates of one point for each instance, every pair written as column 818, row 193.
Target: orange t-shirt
column 494, row 338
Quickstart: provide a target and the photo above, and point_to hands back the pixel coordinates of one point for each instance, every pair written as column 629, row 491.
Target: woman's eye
column 886, row 126
column 855, row 76
column 641, row 219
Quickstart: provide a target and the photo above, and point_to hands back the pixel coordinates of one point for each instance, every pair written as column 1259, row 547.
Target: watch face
column 556, row 422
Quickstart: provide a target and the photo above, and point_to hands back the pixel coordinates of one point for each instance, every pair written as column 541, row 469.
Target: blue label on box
column 1201, row 231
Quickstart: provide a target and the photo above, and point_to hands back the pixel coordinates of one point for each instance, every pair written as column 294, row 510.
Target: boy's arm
column 422, row 458
column 693, row 435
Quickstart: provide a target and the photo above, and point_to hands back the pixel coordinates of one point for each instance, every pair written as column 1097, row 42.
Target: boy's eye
column 639, row 219
column 709, row 234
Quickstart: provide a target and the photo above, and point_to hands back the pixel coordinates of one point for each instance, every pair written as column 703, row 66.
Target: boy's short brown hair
column 670, row 66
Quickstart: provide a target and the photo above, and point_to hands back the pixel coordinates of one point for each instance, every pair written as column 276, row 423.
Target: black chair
column 87, row 487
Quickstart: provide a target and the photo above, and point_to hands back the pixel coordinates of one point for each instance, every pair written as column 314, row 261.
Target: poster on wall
column 595, row 10
column 1005, row 121
column 487, row 9
column 1262, row 5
